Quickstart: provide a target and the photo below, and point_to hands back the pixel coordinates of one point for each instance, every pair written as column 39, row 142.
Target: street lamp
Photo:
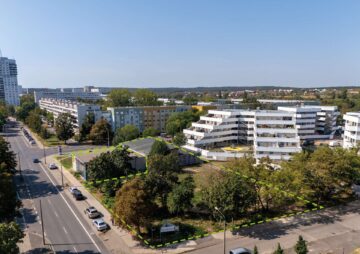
column 223, row 216
column 108, row 136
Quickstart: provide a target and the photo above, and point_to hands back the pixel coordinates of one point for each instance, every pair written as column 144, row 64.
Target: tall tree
column 64, row 127
column 89, row 121
column 150, row 132
column 10, row 235
column 33, row 120
column 7, row 157
column 256, row 251
column 139, row 206
column 179, row 121
column 301, row 247
column 159, row 148
column 126, row 133
column 145, row 97
column 119, row 98
column 179, row 139
column 101, row 132
column 8, row 200
column 180, row 198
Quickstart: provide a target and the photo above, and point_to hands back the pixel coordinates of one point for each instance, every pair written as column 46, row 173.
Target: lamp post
column 223, row 216
column 44, row 155
column 108, row 136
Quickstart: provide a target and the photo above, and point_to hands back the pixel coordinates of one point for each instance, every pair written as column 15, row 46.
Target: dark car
column 78, row 195
column 36, row 160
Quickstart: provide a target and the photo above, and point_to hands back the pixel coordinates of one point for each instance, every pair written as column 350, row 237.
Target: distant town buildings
column 9, row 89
column 66, row 94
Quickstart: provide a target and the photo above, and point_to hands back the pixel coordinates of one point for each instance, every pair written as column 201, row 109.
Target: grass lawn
column 66, row 161
column 51, row 141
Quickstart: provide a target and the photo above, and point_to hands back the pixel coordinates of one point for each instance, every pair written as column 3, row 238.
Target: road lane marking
column 65, row 230
column 68, row 205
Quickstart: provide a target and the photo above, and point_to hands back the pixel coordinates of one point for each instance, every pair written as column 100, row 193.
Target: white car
column 72, row 189
column 52, row 166
column 100, row 224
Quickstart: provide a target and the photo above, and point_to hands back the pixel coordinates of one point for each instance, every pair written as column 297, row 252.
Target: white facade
column 351, row 130
column 9, row 89
column 72, row 94
column 77, row 110
column 276, row 134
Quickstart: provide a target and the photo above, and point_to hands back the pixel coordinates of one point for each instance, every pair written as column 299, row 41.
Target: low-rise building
column 72, row 94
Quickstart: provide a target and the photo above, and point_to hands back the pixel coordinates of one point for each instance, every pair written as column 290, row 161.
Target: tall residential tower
column 9, row 89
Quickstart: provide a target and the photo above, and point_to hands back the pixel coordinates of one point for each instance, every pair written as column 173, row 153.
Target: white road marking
column 56, row 214
column 65, row 230
column 75, row 249
column 68, row 205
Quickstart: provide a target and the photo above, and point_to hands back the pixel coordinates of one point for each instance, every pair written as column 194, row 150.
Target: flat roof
column 143, row 146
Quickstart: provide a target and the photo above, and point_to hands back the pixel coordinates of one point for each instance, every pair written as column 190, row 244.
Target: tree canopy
column 86, row 126
column 64, row 127
column 101, row 132
column 119, row 98
column 150, row 132
column 126, row 133
column 10, row 235
column 179, row 121
column 145, row 97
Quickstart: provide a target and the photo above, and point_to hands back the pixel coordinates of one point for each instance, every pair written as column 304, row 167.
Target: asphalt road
column 65, row 229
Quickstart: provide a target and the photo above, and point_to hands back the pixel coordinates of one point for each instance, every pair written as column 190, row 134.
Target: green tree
column 126, row 133
column 162, row 175
column 278, row 250
column 101, row 132
column 301, row 247
column 159, row 147
column 119, row 98
column 8, row 200
column 222, row 190
column 10, row 235
column 179, row 121
column 89, row 121
column 256, row 251
column 44, row 133
column 121, row 158
column 64, row 127
column 33, row 120
column 7, row 157
column 190, row 100
column 150, row 132
column 22, row 112
column 145, row 97
column 179, row 200
column 179, row 139
column 139, row 206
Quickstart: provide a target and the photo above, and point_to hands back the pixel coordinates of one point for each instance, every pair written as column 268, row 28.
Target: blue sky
column 182, row 43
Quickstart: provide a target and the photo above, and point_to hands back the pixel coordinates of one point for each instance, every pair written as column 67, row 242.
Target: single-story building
column 143, row 147
column 80, row 162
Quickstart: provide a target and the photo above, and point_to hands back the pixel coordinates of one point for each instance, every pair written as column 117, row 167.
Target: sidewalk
column 117, row 240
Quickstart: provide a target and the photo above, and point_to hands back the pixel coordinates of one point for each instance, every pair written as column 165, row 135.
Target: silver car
column 92, row 212
column 100, row 224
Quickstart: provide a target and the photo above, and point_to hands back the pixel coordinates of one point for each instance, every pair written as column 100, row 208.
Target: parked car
column 100, row 224
column 72, row 189
column 78, row 195
column 92, row 212
column 52, row 166
column 36, row 160
column 240, row 251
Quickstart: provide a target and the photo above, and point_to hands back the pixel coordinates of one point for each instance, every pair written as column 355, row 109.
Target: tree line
column 10, row 232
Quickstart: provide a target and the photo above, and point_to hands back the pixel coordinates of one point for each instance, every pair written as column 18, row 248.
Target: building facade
column 9, row 89
column 352, row 130
column 144, row 117
column 78, row 111
column 276, row 134
column 71, row 95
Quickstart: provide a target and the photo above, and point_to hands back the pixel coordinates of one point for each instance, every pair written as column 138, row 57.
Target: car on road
column 72, row 189
column 78, row 195
column 91, row 212
column 240, row 251
column 36, row 160
column 32, row 142
column 52, row 166
column 100, row 224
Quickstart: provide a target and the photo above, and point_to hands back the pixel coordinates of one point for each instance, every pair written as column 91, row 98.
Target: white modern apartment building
column 276, row 134
column 9, row 89
column 351, row 130
column 77, row 110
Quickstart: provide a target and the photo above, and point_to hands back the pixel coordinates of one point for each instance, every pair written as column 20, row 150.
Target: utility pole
column 62, row 176
column 42, row 223
column 19, row 164
column 44, row 155
column 224, row 218
column 108, row 136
